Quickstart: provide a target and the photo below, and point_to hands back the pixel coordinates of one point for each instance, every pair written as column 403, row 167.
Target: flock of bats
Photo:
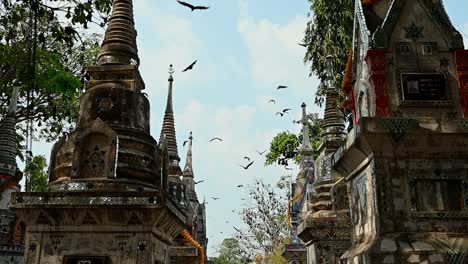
column 280, row 113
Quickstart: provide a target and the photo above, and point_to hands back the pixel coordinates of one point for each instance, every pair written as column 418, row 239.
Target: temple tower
column 325, row 229
column 185, row 252
column 12, row 230
column 107, row 200
column 295, row 252
column 404, row 162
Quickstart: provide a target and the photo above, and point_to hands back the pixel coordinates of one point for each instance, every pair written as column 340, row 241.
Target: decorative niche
column 439, row 196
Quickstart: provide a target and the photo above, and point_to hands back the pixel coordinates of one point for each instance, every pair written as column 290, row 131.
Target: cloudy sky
column 244, row 48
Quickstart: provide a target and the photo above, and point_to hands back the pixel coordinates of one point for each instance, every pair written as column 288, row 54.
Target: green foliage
column 36, row 169
column 329, row 32
column 285, row 145
column 51, row 83
column 265, row 216
column 229, row 252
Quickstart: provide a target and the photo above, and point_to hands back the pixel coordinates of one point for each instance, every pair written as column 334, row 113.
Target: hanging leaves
column 329, row 32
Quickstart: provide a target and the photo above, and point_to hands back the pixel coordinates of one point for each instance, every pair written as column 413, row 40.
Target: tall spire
column 306, row 168
column 8, row 139
column 188, row 175
column 119, row 45
column 168, row 127
column 333, row 122
column 188, row 170
column 305, row 129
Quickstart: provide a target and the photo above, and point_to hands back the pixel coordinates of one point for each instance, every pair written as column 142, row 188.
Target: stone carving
column 88, row 220
column 414, row 32
column 95, row 152
column 360, row 199
column 398, row 127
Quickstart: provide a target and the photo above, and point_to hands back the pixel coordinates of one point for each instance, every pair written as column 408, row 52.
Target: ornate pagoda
column 12, row 230
column 325, row 227
column 404, row 162
column 189, row 246
column 108, row 199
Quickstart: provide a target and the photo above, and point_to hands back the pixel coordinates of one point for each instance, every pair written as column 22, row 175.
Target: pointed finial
column 305, row 129
column 14, row 101
column 171, row 71
column 330, row 71
column 188, row 169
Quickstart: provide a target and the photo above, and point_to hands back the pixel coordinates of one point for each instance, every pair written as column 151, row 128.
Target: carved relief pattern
column 141, row 254
column 462, row 74
column 398, row 127
column 95, row 158
column 359, row 200
column 376, row 61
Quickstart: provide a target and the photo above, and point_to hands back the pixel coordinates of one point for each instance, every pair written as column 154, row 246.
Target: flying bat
column 216, row 138
column 190, row 66
column 192, row 7
column 280, row 113
column 185, row 142
column 215, row 198
column 240, row 185
column 272, row 101
column 197, row 182
column 286, row 110
column 303, row 45
column 248, row 165
column 247, row 158
column 281, row 87
column 261, row 153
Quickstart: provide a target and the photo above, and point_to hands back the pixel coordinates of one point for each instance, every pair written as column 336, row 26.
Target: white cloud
column 274, row 53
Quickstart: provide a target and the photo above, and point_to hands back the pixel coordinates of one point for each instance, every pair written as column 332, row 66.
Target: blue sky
column 244, row 48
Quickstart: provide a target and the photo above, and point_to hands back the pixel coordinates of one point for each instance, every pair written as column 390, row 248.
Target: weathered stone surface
column 405, row 247
column 389, row 259
column 413, row 258
column 388, row 245
column 436, row 258
column 421, row 246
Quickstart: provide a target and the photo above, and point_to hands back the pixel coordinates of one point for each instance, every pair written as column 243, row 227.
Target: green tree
column 265, row 216
column 48, row 68
column 229, row 252
column 285, row 145
column 36, row 169
column 329, row 32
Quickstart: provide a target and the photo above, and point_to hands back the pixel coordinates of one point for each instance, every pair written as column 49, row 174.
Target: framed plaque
column 424, row 87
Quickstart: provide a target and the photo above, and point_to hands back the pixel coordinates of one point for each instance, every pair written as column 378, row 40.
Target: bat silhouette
column 240, row 185
column 216, row 138
column 280, row 113
column 286, row 110
column 185, row 142
column 248, row 165
column 303, row 45
column 215, row 198
column 281, row 87
column 197, row 182
column 261, row 153
column 272, row 101
column 190, row 66
column 192, row 7
column 247, row 158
